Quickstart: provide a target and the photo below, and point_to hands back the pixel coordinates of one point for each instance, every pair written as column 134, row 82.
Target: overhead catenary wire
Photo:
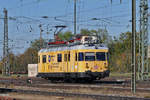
column 26, row 4
column 28, row 21
column 94, row 9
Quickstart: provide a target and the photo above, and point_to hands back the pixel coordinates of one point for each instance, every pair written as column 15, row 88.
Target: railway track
column 82, row 95
column 109, row 85
column 70, row 89
column 19, row 82
column 92, row 87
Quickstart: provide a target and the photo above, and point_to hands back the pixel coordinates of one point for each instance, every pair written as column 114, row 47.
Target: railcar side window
column 89, row 56
column 81, row 56
column 76, row 57
column 100, row 56
column 69, row 57
column 59, row 57
column 44, row 58
column 49, row 58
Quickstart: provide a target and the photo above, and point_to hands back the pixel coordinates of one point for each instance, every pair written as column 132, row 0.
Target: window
column 69, row 57
column 76, row 57
column 65, row 57
column 89, row 56
column 88, row 38
column 107, row 56
column 100, row 56
column 44, row 59
column 59, row 57
column 81, row 56
column 49, row 58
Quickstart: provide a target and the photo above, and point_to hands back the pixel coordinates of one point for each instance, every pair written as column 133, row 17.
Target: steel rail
column 81, row 95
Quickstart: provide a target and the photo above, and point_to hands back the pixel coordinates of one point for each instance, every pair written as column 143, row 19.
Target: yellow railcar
column 89, row 62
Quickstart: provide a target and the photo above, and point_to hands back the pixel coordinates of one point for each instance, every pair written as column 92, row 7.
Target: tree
column 65, row 36
column 37, row 44
column 120, row 53
column 85, row 32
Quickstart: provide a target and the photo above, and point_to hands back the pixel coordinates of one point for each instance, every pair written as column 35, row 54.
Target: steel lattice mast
column 143, row 41
column 6, row 70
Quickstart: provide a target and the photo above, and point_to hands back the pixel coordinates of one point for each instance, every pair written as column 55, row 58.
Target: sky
column 27, row 16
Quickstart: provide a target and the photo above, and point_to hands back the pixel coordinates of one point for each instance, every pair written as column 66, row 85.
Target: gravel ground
column 40, row 97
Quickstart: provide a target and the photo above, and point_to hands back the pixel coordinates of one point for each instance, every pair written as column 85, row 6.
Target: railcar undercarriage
column 76, row 76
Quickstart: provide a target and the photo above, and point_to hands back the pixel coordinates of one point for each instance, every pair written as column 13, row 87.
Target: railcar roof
column 76, row 47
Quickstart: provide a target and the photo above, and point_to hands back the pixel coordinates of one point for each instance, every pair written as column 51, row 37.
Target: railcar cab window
column 59, row 57
column 100, row 56
column 44, row 58
column 107, row 56
column 81, row 56
column 89, row 56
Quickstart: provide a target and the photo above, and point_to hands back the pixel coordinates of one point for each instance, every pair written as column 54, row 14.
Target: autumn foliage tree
column 119, row 51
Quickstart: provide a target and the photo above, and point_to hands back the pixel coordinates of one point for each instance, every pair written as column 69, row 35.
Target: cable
column 26, row 4
column 92, row 9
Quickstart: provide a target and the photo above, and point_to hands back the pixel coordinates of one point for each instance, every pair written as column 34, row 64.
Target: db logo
column 95, row 67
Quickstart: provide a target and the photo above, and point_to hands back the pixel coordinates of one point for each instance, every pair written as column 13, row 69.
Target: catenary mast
column 143, row 41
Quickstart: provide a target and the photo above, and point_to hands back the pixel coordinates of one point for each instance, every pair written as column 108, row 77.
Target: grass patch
column 114, row 74
column 14, row 75
column 148, row 96
column 120, row 74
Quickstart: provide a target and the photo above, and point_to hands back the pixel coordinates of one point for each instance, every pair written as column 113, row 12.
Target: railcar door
column 44, row 63
column 89, row 60
column 100, row 61
column 76, row 62
column 72, row 61
column 39, row 64
column 68, row 62
column 65, row 62
column 52, row 61
column 81, row 62
column 59, row 62
column 49, row 63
